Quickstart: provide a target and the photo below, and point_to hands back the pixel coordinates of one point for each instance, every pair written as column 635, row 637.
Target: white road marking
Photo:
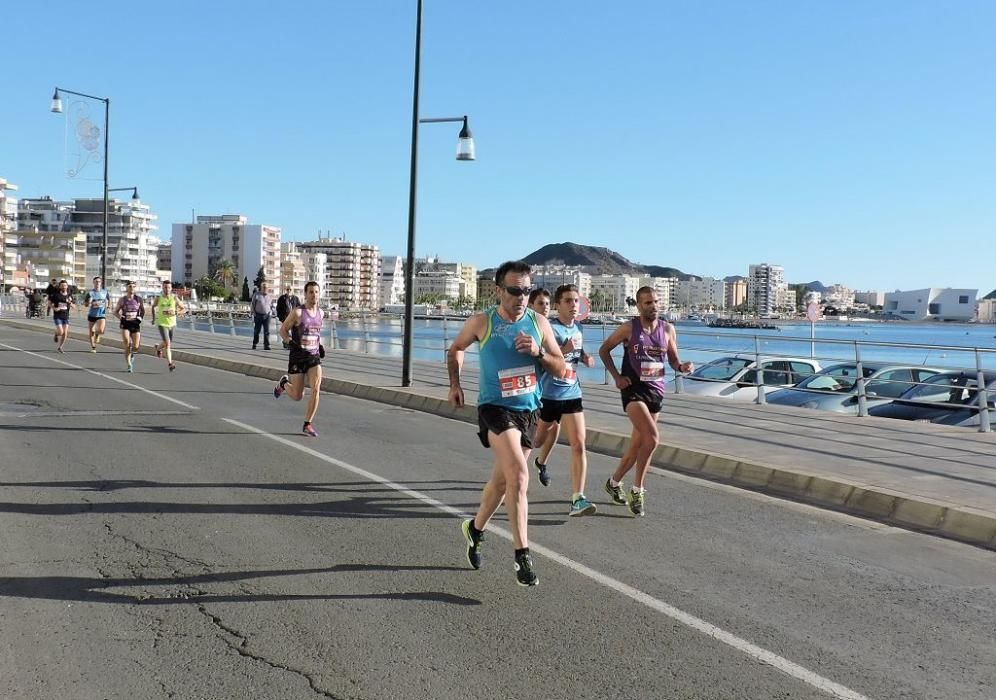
column 105, row 376
column 752, row 650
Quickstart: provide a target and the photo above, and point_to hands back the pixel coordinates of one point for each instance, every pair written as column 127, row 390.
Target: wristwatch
column 542, row 353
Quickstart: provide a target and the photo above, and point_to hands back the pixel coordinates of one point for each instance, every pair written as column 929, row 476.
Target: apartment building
column 8, row 222
column 611, row 292
column 705, row 293
column 839, row 296
column 39, row 256
column 736, row 293
column 870, row 298
column 552, row 276
column 666, row 288
column 439, row 284
column 391, row 281
column 293, row 269
column 164, row 259
column 765, row 288
column 352, row 271
column 198, row 248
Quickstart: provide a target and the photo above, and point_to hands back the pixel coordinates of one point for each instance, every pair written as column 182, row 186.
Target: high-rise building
column 666, row 288
column 199, row 248
column 870, row 298
column 611, row 293
column 438, row 284
column 391, row 281
column 765, row 285
column 39, row 256
column 352, row 271
column 736, row 293
column 293, row 270
column 8, row 222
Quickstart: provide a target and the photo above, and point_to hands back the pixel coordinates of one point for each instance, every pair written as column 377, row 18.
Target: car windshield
column 723, row 369
column 944, row 388
column 839, row 378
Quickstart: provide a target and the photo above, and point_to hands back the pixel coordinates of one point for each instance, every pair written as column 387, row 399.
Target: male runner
column 130, row 310
column 515, row 345
column 59, row 303
column 165, row 309
column 96, row 300
column 539, row 301
column 302, row 332
column 562, row 400
column 647, row 341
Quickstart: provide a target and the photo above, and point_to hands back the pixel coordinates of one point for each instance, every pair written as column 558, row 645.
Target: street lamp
column 57, row 108
column 465, row 152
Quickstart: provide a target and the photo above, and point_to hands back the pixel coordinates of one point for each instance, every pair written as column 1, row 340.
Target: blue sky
column 851, row 142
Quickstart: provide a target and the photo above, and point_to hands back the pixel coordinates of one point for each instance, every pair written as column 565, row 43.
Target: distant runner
column 60, row 302
column 165, row 309
column 647, row 341
column 130, row 310
column 302, row 331
column 96, row 300
column 515, row 345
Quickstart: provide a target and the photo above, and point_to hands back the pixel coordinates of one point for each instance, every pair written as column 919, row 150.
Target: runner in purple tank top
column 301, row 331
column 648, row 342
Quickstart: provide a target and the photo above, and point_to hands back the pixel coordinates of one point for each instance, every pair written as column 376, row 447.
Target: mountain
column 598, row 261
column 816, row 286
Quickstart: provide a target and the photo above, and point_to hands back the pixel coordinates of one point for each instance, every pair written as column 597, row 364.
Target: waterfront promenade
column 927, row 477
column 173, row 535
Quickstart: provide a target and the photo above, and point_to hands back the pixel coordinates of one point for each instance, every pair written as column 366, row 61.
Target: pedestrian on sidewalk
column 260, row 304
column 647, row 342
column 515, row 345
column 287, row 302
column 302, row 332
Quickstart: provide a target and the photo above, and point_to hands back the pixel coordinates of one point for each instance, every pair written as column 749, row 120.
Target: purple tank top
column 645, row 355
column 130, row 306
column 309, row 331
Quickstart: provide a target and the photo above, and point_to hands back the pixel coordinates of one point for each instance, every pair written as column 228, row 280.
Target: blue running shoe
column 582, row 506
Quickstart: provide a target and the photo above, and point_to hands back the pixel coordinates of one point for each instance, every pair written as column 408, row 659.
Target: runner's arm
column 672, row 354
column 553, row 361
column 619, row 335
column 473, row 329
column 289, row 322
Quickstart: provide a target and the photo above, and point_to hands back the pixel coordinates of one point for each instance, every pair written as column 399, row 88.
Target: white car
column 735, row 376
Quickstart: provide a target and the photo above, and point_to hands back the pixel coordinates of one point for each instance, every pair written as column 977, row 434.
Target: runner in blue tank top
column 301, row 332
column 515, row 346
column 648, row 342
column 562, row 400
column 96, row 300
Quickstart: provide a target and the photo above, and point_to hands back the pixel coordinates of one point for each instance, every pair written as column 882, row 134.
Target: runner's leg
column 511, row 460
column 646, row 423
column 574, row 425
column 628, row 458
column 295, row 387
column 315, row 382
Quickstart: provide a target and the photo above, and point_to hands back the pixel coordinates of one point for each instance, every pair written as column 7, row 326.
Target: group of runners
column 529, row 389
column 130, row 312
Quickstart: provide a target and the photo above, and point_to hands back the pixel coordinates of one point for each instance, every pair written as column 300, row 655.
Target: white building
column 706, row 293
column 765, row 283
column 666, row 288
column 440, row 284
column 35, row 257
column 8, row 222
column 293, row 271
column 164, row 260
column 933, row 304
column 198, row 248
column 391, row 280
column 552, row 276
column 869, row 298
column 839, row 296
column 987, row 311
column 614, row 290
column 352, row 271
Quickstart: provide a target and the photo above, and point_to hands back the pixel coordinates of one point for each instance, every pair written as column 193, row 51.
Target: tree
column 598, row 301
column 430, row 298
column 463, row 302
column 207, row 288
column 245, row 289
column 226, row 274
column 260, row 278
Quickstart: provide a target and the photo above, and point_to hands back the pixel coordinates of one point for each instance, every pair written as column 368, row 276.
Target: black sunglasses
column 517, row 291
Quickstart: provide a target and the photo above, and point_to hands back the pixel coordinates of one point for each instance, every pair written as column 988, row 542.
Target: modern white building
column 666, row 288
column 440, row 284
column 8, row 223
column 391, row 281
column 199, row 247
column 765, row 285
column 552, row 276
column 870, row 298
column 352, row 271
column 933, row 304
column 614, row 290
column 705, row 293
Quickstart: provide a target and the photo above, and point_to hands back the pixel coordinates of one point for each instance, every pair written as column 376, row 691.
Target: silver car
column 836, row 387
column 735, row 377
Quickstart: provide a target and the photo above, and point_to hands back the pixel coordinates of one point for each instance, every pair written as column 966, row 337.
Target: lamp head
column 465, row 145
column 56, row 102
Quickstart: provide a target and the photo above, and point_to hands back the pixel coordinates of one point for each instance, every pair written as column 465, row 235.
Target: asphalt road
column 174, row 536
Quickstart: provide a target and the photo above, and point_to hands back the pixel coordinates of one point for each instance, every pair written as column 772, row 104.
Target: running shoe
column 60, row 350
column 93, row 349
column 159, row 352
column 172, row 366
column 474, row 540
column 524, row 574
column 309, row 430
column 131, row 363
column 278, row 390
column 582, row 506
column 616, row 492
column 544, row 477
column 636, row 503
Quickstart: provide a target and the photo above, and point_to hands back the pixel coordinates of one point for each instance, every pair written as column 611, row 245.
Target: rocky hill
column 598, row 261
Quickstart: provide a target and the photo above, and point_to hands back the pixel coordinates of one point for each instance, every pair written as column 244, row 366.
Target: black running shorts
column 299, row 362
column 644, row 394
column 133, row 326
column 553, row 410
column 498, row 419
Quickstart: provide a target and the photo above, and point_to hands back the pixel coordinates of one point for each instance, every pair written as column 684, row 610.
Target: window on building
column 963, row 299
column 933, row 308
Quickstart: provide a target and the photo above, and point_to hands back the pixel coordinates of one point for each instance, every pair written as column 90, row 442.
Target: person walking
column 515, row 345
column 647, row 342
column 165, row 309
column 301, row 331
column 260, row 305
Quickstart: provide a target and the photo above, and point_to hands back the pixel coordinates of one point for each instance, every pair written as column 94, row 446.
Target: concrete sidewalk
column 925, row 477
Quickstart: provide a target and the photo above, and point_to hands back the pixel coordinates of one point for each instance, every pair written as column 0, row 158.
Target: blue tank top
column 508, row 377
column 568, row 387
column 97, row 301
column 645, row 356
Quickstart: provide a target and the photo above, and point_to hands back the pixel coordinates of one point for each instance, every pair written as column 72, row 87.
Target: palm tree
column 226, row 273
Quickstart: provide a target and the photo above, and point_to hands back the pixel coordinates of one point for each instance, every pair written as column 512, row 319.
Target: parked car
column 735, row 377
column 835, row 388
column 948, row 398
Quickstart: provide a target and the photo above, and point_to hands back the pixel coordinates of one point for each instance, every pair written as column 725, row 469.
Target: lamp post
column 465, row 152
column 57, row 108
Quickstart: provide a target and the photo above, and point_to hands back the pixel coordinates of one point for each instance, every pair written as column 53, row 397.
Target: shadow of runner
column 90, row 590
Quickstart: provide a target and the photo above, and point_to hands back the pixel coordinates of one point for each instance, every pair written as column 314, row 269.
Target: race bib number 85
column 517, row 381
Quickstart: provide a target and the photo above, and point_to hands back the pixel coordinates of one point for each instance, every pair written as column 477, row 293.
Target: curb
column 917, row 513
